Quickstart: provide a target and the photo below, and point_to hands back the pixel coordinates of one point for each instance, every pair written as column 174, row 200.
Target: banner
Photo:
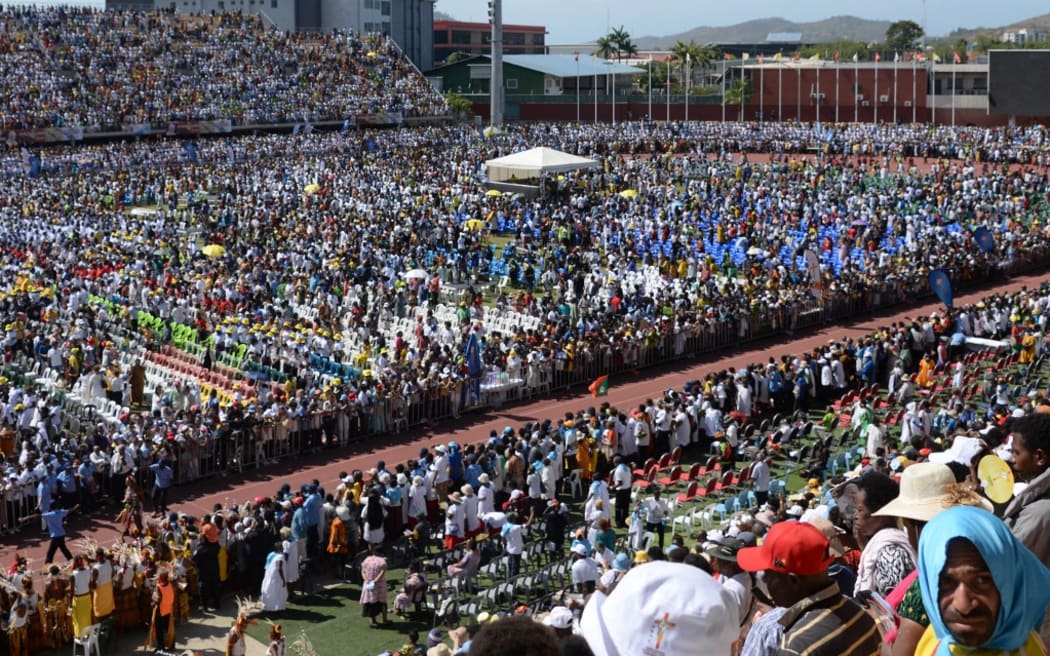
column 49, row 135
column 381, row 118
column 813, row 266
column 984, row 239
column 942, row 286
column 222, row 126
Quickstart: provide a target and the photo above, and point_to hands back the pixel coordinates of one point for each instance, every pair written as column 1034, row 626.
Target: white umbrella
column 755, row 250
column 417, row 273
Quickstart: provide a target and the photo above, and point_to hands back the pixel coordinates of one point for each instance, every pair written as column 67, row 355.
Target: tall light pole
column 496, row 78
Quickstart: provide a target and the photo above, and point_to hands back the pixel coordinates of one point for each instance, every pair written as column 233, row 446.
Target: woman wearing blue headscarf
column 985, row 592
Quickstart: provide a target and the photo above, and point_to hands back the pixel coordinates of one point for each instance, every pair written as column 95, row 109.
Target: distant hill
column 440, row 15
column 756, row 31
column 1038, row 23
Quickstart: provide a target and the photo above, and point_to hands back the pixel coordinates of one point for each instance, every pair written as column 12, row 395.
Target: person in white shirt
column 621, row 476
column 874, row 438
column 655, row 511
column 760, row 477
column 729, row 574
column 486, row 501
column 513, row 544
column 584, row 570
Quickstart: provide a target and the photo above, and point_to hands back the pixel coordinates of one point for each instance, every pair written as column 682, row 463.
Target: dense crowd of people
column 489, row 498
column 304, row 330
column 174, row 309
column 70, row 66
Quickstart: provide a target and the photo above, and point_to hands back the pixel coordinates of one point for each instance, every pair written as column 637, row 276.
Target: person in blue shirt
column 57, row 532
column 85, row 479
column 67, row 482
column 313, row 506
column 43, row 498
column 163, row 475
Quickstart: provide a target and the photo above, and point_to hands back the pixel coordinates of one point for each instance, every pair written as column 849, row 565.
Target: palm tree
column 605, row 47
column 621, row 40
column 738, row 93
column 682, row 52
column 627, row 49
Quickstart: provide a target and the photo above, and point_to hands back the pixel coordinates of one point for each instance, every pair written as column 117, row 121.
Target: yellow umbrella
column 370, row 54
column 628, row 193
column 213, row 250
column 311, row 188
column 475, row 224
column 493, row 192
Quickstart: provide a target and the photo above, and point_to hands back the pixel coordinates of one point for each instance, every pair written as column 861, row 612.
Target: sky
column 578, row 21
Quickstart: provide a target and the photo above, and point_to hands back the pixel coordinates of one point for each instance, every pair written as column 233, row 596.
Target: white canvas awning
column 534, row 163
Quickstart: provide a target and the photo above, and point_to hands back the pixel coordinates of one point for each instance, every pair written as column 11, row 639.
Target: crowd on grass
column 111, row 70
column 908, row 523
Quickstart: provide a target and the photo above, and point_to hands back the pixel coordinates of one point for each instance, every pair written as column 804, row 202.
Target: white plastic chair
column 88, row 642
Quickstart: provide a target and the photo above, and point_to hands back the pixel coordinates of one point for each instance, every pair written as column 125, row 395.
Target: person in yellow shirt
column 985, row 593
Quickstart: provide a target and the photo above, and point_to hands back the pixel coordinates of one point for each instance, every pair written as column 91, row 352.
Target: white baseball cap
column 664, row 609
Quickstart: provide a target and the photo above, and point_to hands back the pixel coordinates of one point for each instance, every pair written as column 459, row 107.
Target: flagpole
column 780, row 89
column 667, row 112
column 913, row 75
column 596, row 95
column 761, row 90
column 819, row 66
column 577, row 87
column 837, row 71
column 932, row 83
column 689, row 74
column 798, row 91
column 724, row 66
column 742, row 91
column 896, row 64
column 856, row 89
column 650, row 87
column 955, row 62
column 875, row 116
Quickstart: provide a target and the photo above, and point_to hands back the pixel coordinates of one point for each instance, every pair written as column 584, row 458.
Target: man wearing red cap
column 793, row 563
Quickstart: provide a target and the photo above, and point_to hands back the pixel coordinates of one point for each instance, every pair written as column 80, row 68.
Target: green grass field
column 332, row 619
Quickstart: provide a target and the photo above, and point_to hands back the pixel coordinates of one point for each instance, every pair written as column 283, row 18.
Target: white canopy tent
column 534, row 163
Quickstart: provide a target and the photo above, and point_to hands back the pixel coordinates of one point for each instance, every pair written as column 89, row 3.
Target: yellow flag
column 936, row 58
column 815, row 57
column 778, row 56
column 745, row 56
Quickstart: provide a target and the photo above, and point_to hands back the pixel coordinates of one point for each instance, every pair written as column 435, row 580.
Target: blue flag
column 34, row 166
column 984, row 239
column 473, row 354
column 190, row 150
column 941, row 286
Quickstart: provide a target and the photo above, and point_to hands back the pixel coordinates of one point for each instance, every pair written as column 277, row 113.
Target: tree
column 904, row 36
column 844, row 47
column 606, row 49
column 697, row 56
column 622, row 41
column 459, row 105
column 738, row 93
column 986, row 42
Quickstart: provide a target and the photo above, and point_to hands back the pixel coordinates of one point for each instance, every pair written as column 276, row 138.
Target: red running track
column 199, row 498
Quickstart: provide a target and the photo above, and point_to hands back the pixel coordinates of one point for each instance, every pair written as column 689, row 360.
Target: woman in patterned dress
column 373, row 590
